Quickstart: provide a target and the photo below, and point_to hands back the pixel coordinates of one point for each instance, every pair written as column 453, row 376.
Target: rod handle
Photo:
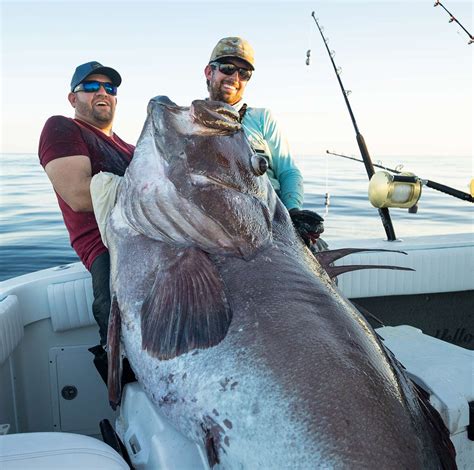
column 369, row 167
column 383, row 212
column 451, row 191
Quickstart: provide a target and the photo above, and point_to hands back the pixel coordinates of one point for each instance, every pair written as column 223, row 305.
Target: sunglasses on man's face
column 230, row 69
column 93, row 86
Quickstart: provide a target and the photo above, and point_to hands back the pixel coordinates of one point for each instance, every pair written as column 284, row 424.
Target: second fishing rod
column 429, row 183
column 383, row 212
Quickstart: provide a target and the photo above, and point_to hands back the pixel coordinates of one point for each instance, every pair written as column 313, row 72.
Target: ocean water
column 33, row 236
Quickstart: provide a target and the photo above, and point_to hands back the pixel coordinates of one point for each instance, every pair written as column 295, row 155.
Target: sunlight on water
column 33, row 235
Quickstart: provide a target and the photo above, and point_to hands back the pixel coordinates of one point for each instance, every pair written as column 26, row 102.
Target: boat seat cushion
column 11, row 326
column 57, row 450
column 70, row 304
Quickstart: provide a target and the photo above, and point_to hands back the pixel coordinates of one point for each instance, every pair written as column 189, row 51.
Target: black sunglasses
column 93, row 86
column 230, row 69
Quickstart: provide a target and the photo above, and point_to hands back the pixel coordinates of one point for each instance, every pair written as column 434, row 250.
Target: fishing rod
column 383, row 211
column 453, row 19
column 431, row 184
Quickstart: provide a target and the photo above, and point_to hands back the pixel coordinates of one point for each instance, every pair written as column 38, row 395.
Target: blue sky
column 409, row 70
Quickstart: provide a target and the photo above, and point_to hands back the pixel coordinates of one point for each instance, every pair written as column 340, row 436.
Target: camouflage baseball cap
column 233, row 47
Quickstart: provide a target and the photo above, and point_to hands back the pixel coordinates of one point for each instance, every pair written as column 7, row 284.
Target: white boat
column 52, row 398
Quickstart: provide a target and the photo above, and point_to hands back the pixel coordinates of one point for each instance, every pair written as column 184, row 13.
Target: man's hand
column 308, row 224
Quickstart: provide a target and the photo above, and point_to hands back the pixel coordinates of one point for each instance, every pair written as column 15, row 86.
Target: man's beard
column 104, row 116
column 217, row 94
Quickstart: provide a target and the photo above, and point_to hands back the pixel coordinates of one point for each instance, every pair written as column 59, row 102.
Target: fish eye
column 259, row 164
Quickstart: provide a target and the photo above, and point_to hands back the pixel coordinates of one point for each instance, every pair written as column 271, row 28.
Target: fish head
column 209, row 186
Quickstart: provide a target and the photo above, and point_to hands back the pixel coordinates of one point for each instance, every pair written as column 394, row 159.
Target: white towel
column 104, row 190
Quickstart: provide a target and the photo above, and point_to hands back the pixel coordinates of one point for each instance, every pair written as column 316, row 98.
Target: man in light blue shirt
column 230, row 68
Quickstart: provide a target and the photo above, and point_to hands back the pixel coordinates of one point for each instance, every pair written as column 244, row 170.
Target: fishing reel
column 402, row 190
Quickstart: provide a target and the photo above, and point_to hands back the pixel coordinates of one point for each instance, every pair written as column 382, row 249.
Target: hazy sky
column 409, row 70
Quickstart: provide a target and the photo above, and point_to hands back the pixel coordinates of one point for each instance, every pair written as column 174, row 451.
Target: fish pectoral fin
column 186, row 308
column 114, row 368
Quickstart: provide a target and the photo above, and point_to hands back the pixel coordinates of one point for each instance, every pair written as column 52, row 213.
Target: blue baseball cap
column 89, row 68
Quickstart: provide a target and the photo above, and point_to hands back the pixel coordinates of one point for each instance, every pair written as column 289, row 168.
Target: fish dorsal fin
column 186, row 308
column 325, row 258
column 334, row 271
column 329, row 256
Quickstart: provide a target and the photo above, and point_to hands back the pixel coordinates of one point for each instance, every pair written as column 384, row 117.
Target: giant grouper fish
column 233, row 328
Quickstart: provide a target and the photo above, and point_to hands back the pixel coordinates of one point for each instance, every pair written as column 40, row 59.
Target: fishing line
column 431, row 184
column 383, row 212
column 327, row 195
column 452, row 19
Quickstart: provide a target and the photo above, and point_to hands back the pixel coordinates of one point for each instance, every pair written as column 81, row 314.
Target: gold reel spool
column 387, row 190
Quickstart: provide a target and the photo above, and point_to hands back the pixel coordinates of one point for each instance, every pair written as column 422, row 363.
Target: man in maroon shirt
column 71, row 152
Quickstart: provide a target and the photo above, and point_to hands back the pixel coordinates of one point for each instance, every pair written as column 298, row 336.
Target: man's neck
column 106, row 130
column 238, row 105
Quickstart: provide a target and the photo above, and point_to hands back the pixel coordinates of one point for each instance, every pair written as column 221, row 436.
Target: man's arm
column 288, row 174
column 71, row 178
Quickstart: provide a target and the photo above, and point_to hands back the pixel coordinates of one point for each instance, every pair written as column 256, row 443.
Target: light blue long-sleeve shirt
column 264, row 134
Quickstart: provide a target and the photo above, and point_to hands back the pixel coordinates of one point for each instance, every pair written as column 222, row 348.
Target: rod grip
column 369, row 167
column 450, row 191
column 383, row 212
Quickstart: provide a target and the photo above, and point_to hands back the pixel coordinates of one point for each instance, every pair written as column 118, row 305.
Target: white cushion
column 55, row 450
column 70, row 304
column 11, row 326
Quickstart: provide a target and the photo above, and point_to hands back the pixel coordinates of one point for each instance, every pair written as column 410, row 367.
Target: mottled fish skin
column 299, row 379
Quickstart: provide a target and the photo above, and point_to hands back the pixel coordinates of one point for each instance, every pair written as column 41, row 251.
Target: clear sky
column 409, row 70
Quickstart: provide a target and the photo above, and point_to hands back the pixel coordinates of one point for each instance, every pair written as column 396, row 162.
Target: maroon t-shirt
column 65, row 137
